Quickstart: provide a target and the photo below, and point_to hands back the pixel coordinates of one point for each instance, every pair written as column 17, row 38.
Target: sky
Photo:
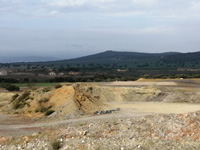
column 73, row 28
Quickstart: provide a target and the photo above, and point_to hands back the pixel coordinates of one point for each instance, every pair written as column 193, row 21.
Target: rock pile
column 106, row 111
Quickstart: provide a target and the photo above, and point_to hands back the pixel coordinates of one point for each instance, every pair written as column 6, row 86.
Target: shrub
column 49, row 112
column 42, row 109
column 36, row 110
column 18, row 104
column 58, row 86
column 24, row 95
column 56, row 145
column 10, row 87
column 46, row 89
column 20, row 101
column 14, row 97
column 29, row 97
column 44, row 100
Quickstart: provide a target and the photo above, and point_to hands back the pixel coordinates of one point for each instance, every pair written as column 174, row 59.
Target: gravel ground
column 153, row 132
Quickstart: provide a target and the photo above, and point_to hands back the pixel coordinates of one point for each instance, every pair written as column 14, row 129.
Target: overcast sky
column 72, row 28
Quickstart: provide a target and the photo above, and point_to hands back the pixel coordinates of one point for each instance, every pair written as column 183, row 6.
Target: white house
column 3, row 72
column 52, row 74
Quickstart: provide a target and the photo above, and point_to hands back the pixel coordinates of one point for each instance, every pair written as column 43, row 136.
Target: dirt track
column 155, row 108
column 11, row 126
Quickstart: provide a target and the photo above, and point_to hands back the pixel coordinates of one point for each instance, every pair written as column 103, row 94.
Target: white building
column 52, row 74
column 3, row 72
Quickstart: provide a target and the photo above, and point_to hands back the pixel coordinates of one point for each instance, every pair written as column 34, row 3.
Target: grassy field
column 36, row 84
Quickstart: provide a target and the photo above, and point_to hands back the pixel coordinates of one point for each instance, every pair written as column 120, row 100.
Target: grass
column 36, row 84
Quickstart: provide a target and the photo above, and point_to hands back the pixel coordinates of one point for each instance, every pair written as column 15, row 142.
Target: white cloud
column 158, row 30
column 145, row 2
column 195, row 5
column 161, row 8
column 74, row 3
column 195, row 8
column 68, row 3
column 98, row 22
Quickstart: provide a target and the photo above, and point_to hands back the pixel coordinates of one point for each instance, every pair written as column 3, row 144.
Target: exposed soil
column 13, row 126
column 153, row 115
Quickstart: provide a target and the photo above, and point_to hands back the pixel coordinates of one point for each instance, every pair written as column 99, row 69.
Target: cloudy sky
column 72, row 28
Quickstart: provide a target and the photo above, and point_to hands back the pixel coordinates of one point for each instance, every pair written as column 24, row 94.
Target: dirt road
column 155, row 107
column 12, row 126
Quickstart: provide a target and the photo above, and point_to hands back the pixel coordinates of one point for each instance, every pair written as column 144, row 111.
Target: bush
column 56, row 145
column 46, row 89
column 49, row 112
column 20, row 101
column 14, row 97
column 44, row 100
column 58, row 86
column 29, row 97
column 18, row 104
column 42, row 109
column 36, row 110
column 10, row 87
column 24, row 95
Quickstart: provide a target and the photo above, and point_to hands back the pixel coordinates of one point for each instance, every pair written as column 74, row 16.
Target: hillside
column 111, row 65
column 118, row 57
column 183, row 57
column 135, row 60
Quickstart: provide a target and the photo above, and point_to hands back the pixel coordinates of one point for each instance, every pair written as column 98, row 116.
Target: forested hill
column 124, row 55
column 183, row 57
column 136, row 60
column 114, row 56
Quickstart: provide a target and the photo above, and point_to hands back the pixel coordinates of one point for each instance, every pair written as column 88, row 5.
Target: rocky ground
column 153, row 132
column 128, row 128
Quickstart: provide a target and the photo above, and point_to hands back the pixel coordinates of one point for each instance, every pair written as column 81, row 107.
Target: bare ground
column 150, row 120
column 13, row 126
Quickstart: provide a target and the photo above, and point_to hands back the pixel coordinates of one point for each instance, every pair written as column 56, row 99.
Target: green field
column 36, row 84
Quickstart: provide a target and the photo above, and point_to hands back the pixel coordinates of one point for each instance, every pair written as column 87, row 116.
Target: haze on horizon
column 73, row 28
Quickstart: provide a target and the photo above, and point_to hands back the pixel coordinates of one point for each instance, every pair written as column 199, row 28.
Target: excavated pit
column 75, row 100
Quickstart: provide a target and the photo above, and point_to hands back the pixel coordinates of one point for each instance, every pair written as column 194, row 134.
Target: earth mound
column 68, row 100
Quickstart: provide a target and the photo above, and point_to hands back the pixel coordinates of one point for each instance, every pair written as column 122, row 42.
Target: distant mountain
column 123, row 55
column 115, row 56
column 26, row 59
